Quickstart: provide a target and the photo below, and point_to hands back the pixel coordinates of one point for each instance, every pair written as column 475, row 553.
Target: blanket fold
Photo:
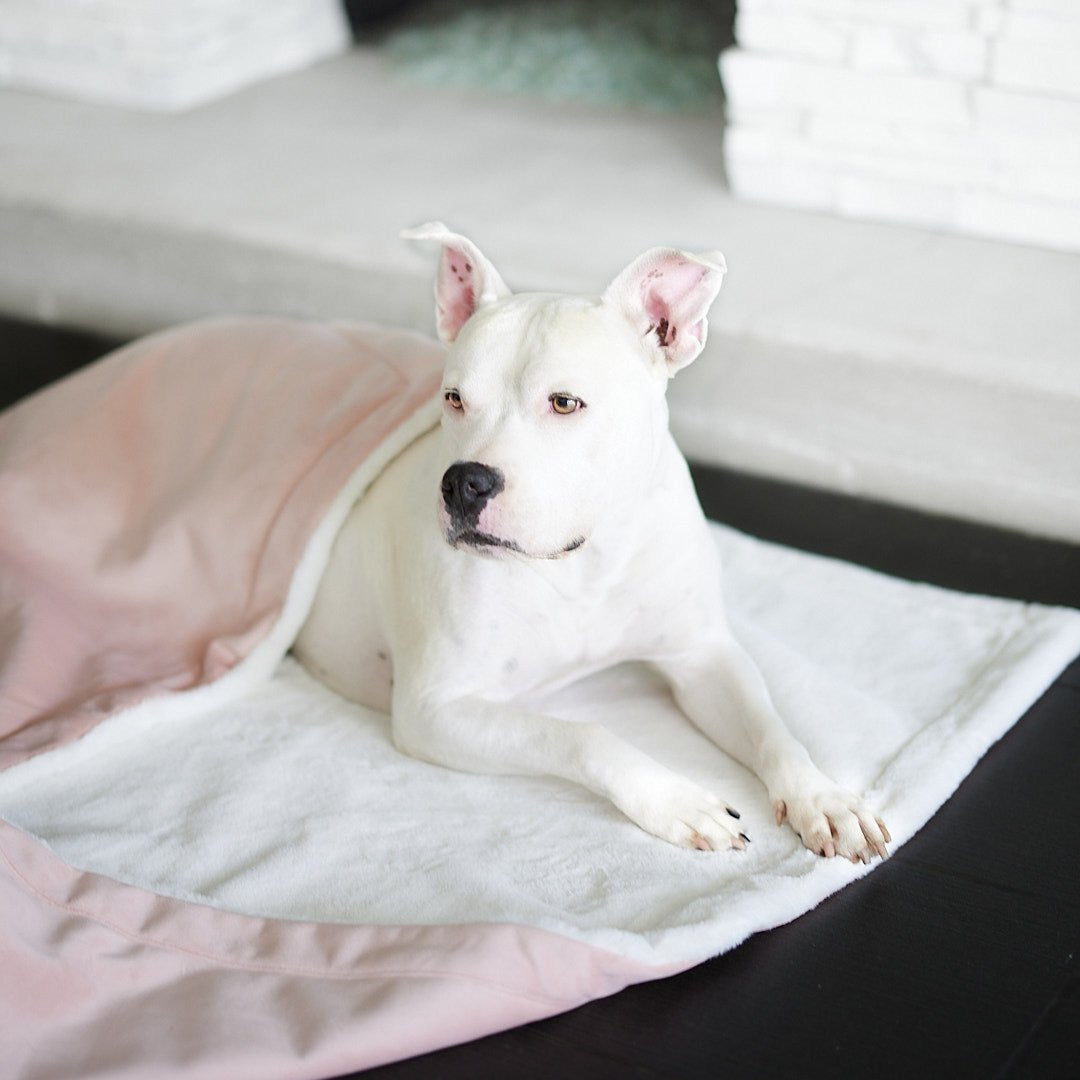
column 154, row 506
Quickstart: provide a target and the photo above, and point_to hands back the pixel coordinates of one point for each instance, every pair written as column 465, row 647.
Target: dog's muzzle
column 467, row 487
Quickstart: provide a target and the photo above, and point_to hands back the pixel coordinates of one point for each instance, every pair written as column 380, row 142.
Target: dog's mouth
column 485, row 543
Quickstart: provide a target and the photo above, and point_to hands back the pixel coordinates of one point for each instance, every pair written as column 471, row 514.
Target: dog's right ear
column 466, row 280
column 666, row 295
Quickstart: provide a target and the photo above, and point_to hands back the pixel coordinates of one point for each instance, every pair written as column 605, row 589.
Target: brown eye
column 564, row 404
column 453, row 399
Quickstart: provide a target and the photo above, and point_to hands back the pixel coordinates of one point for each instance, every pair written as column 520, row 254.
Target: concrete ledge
column 926, row 369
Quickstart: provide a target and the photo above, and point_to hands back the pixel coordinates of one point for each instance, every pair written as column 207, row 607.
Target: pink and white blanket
column 211, row 865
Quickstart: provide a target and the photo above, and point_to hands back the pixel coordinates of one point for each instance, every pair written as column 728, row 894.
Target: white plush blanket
column 293, row 803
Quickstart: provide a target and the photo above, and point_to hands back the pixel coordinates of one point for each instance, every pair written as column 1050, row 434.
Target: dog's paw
column 684, row 814
column 831, row 821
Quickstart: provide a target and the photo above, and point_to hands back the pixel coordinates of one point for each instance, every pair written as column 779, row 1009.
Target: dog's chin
column 483, row 543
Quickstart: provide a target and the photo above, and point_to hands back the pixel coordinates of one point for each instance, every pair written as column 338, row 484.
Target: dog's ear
column 466, row 280
column 666, row 295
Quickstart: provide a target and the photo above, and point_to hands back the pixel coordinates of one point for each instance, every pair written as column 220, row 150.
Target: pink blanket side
column 154, row 506
column 102, row 980
column 153, row 510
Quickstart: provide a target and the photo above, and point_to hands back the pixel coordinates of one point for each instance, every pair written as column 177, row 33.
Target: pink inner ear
column 666, row 294
column 676, row 302
column 455, row 292
column 673, row 300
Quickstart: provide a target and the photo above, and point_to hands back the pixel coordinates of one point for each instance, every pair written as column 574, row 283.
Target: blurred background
column 895, row 184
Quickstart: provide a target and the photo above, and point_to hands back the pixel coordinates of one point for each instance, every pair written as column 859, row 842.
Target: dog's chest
column 535, row 632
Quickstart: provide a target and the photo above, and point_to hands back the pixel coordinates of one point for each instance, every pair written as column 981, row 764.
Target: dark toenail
column 745, row 837
column 734, row 813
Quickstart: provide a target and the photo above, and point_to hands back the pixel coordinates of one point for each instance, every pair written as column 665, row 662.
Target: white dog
column 547, row 529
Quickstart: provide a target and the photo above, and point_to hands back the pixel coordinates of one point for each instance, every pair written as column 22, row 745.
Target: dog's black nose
column 466, row 487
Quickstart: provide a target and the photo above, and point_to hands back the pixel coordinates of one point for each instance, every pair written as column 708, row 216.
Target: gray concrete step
column 921, row 368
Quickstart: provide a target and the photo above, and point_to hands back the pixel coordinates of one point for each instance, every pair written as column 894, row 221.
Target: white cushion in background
column 163, row 56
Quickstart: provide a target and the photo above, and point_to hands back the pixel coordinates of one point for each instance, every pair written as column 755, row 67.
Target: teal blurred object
column 659, row 55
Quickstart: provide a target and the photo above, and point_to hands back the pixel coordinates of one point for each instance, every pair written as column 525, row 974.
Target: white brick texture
column 958, row 114
column 762, row 81
column 944, row 14
column 792, row 34
column 954, row 54
column 1046, row 68
column 1004, row 112
column 1062, row 9
column 1040, row 28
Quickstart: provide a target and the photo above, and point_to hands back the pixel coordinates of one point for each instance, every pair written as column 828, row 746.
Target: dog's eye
column 453, row 399
column 564, row 404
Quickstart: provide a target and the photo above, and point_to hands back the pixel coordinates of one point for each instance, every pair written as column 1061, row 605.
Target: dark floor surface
column 956, row 958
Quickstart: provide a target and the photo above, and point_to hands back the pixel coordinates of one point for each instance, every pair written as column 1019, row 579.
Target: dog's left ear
column 666, row 295
column 466, row 280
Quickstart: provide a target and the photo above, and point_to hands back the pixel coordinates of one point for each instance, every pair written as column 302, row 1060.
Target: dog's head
column 553, row 406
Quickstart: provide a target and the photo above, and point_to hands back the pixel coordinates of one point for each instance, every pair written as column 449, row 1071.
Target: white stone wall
column 161, row 54
column 954, row 114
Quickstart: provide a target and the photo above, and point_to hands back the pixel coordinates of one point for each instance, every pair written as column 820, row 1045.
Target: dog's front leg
column 475, row 735
column 721, row 690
